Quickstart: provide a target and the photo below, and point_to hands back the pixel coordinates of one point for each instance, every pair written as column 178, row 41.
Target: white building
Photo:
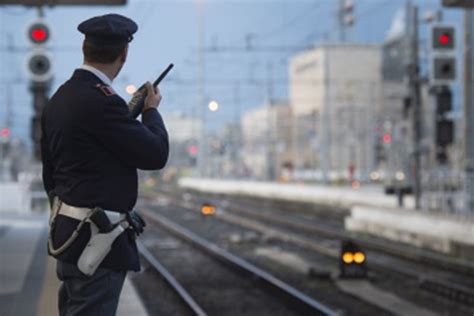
column 182, row 128
column 183, row 132
column 266, row 133
column 335, row 90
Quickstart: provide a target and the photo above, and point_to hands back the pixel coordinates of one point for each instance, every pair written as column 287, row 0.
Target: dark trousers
column 81, row 295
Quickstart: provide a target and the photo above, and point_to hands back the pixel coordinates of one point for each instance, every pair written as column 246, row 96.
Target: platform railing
column 447, row 192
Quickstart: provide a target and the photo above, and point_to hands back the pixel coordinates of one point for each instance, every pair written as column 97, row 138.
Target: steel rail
column 175, row 285
column 415, row 255
column 449, row 289
column 365, row 242
column 302, row 302
column 445, row 288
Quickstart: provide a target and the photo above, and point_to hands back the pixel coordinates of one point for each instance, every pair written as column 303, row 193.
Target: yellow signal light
column 208, row 210
column 348, row 257
column 359, row 257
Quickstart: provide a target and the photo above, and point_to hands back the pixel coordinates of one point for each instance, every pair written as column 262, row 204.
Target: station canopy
column 63, row 2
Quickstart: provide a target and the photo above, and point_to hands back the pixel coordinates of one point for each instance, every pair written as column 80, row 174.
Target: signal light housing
column 444, row 132
column 352, row 261
column 38, row 61
column 444, row 125
column 443, row 54
column 444, row 100
column 444, row 69
column 39, row 65
column 38, row 33
column 443, row 37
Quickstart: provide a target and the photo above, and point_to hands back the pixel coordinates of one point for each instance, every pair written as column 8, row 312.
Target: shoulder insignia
column 108, row 91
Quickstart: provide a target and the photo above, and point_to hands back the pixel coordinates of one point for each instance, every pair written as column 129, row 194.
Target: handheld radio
column 136, row 104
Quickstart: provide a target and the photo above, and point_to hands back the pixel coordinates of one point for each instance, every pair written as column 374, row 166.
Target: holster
column 103, row 233
column 97, row 248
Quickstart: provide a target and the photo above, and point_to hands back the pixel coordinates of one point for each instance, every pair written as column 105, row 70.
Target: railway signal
column 38, row 32
column 352, row 261
column 192, row 150
column 39, row 62
column 444, row 125
column 5, row 132
column 443, row 56
column 442, row 37
column 39, row 65
column 347, row 12
column 208, row 209
column 443, row 69
column 443, row 73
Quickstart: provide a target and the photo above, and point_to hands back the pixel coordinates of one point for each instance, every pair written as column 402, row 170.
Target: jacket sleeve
column 48, row 180
column 140, row 145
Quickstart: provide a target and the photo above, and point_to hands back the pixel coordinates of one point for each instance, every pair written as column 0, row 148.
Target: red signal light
column 387, row 138
column 5, row 132
column 444, row 39
column 39, row 35
column 193, row 150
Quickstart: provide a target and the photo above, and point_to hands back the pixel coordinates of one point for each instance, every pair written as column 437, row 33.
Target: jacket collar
column 99, row 74
column 86, row 75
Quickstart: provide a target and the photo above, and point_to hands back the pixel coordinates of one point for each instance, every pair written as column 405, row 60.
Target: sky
column 168, row 33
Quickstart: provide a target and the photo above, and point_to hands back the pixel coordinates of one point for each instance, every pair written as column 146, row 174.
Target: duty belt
column 81, row 214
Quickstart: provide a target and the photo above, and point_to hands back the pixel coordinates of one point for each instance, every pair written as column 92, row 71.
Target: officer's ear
column 123, row 55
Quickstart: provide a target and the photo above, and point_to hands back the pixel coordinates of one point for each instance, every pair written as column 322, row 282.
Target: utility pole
column 237, row 133
column 342, row 31
column 325, row 138
column 414, row 88
column 200, row 102
column 8, row 87
column 269, row 82
column 469, row 103
column 468, row 6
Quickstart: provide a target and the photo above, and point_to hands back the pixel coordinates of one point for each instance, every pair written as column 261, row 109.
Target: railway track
column 427, row 280
column 258, row 285
column 287, row 219
column 367, row 243
column 187, row 300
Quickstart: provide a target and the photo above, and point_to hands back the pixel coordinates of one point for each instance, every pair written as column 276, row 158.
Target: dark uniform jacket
column 91, row 150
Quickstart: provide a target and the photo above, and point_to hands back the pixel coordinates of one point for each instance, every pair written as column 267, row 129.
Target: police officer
column 91, row 150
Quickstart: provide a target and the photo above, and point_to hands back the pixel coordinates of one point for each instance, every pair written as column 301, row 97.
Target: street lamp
column 213, row 106
column 131, row 89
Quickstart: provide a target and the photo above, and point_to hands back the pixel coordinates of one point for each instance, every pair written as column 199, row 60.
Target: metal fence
column 447, row 191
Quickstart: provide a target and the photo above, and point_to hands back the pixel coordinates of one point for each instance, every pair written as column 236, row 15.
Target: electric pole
column 236, row 133
column 414, row 88
column 469, row 103
column 325, row 140
column 468, row 6
column 202, row 161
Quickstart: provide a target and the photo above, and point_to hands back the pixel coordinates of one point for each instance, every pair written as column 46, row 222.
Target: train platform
column 28, row 283
column 370, row 211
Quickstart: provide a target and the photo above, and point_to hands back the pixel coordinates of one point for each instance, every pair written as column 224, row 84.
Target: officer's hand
column 153, row 97
column 137, row 223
